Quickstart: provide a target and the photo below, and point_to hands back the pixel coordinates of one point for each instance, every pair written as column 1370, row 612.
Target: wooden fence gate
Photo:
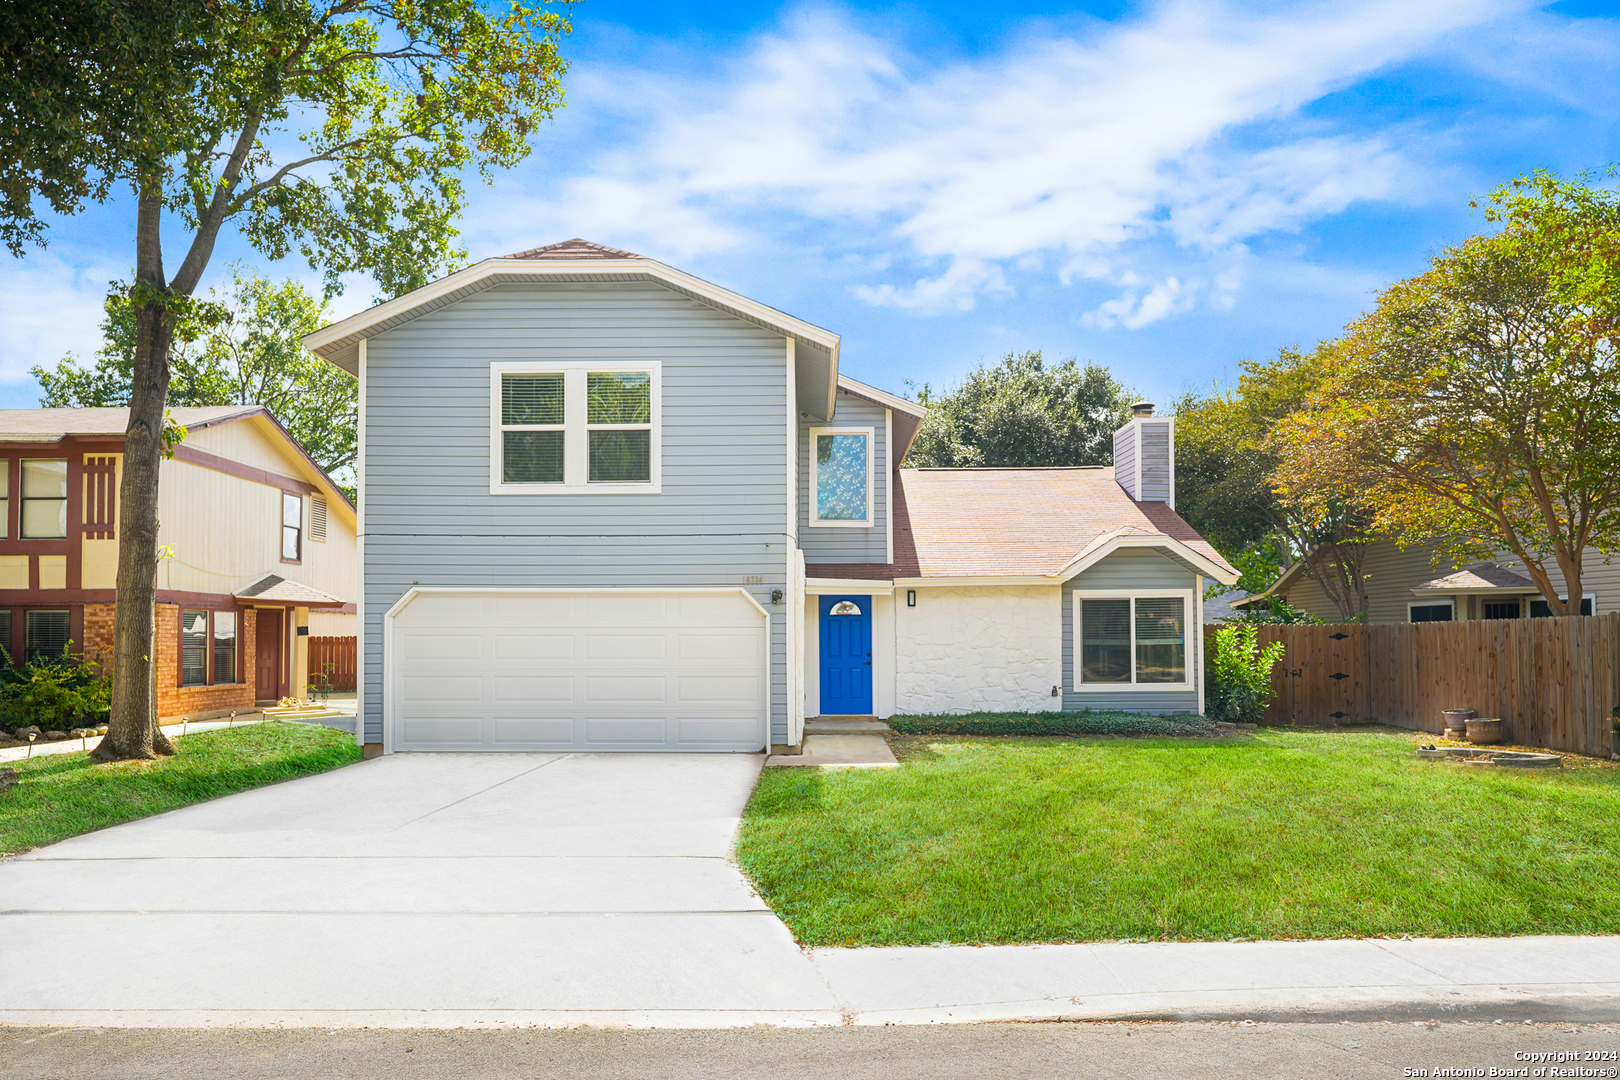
column 335, row 657
column 1555, row 681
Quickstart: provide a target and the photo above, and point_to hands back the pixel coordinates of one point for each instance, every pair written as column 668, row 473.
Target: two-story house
column 607, row 505
column 255, row 538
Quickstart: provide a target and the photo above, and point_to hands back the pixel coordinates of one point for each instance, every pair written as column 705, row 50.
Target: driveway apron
column 515, row 887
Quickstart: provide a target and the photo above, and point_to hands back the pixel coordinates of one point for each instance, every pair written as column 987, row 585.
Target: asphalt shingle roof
column 1010, row 522
column 574, row 249
column 1485, row 576
column 49, row 425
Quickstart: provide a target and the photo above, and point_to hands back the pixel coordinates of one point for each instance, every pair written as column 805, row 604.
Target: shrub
column 56, row 692
column 1240, row 684
column 1084, row 722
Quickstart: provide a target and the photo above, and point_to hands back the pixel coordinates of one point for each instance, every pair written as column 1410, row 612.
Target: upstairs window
column 5, row 499
column 292, row 527
column 841, row 477
column 1131, row 642
column 44, row 499
column 571, row 427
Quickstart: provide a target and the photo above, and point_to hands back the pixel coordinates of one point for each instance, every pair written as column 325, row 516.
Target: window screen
column 1161, row 643
column 44, row 492
column 1105, row 641
column 194, row 648
column 46, row 634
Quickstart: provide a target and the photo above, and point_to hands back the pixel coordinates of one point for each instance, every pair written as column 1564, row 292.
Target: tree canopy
column 1019, row 413
column 1478, row 405
column 249, row 353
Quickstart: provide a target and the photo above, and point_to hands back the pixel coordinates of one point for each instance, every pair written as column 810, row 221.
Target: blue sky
column 1166, row 189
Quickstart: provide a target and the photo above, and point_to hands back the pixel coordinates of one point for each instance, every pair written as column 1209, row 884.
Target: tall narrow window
column 292, row 527
column 1105, row 641
column 5, row 635
column 619, row 422
column 5, row 499
column 841, row 477
column 224, row 646
column 532, row 430
column 46, row 634
column 44, row 499
column 1161, row 650
column 317, row 518
column 194, row 648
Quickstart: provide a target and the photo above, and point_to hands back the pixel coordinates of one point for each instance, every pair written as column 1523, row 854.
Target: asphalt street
column 1325, row 1051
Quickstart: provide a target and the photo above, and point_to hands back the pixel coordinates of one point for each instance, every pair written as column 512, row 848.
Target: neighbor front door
column 268, row 672
column 846, row 655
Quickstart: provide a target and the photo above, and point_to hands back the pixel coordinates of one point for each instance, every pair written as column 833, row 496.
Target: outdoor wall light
column 776, row 596
column 1056, row 692
column 911, row 598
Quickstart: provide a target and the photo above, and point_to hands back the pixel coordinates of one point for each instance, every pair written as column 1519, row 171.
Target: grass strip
column 61, row 795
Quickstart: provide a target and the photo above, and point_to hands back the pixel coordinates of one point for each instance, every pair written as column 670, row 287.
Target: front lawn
column 62, row 795
column 1290, row 834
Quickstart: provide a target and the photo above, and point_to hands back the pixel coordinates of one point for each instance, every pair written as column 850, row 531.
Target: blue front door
column 846, row 655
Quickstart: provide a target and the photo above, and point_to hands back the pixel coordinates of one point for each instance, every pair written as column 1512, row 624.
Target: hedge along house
column 606, row 505
column 259, row 536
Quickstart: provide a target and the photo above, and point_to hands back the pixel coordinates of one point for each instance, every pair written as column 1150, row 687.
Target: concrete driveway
column 516, row 887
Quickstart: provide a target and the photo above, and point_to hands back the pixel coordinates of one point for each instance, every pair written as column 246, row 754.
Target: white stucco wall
column 992, row 648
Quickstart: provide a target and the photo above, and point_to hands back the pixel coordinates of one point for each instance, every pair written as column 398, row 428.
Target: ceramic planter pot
column 1484, row 731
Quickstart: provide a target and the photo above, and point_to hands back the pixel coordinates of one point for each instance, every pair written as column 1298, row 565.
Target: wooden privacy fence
column 337, row 651
column 1555, row 681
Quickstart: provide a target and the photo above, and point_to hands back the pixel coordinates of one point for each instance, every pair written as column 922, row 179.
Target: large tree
column 1479, row 404
column 1227, row 483
column 1019, row 413
column 337, row 128
column 249, row 353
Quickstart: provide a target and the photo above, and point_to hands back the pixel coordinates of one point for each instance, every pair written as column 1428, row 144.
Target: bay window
column 575, row 426
column 1127, row 642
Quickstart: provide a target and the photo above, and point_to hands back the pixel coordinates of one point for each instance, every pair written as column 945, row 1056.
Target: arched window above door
column 844, row 607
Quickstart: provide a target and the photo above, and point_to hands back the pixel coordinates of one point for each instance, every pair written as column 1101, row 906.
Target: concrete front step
column 858, row 751
column 846, row 725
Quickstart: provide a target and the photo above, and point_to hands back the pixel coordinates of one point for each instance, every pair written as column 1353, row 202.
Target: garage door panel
column 540, row 671
column 533, row 646
column 622, row 646
column 541, row 690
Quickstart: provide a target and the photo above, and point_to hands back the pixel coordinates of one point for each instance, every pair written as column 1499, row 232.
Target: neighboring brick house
column 256, row 538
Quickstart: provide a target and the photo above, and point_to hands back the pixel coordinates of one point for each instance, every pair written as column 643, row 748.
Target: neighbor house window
column 1128, row 641
column 1430, row 612
column 573, row 426
column 5, row 498
column 208, row 647
column 1540, row 610
column 1502, row 609
column 44, row 499
column 46, row 634
column 292, row 527
column 841, row 476
column 5, row 635
column 194, row 648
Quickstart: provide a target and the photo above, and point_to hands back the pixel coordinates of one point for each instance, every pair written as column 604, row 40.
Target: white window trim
column 1562, row 597
column 1188, row 611
column 1410, row 604
column 816, row 520
column 576, row 440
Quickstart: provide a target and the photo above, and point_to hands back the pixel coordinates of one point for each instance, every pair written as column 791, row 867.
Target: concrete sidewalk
column 452, row 890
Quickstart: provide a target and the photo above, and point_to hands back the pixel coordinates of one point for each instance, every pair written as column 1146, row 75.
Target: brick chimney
column 1145, row 456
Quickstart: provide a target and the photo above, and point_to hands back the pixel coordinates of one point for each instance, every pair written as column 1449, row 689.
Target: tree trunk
column 132, row 728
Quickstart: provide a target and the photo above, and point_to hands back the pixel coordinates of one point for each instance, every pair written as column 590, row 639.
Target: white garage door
column 588, row 670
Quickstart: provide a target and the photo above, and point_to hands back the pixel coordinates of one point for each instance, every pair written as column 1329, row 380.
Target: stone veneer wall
column 984, row 648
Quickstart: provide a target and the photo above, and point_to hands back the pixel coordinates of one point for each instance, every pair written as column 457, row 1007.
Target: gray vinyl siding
column 837, row 544
column 1125, row 458
column 430, row 518
column 1142, row 571
column 1155, row 463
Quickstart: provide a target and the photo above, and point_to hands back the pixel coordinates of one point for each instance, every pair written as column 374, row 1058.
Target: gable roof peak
column 574, row 249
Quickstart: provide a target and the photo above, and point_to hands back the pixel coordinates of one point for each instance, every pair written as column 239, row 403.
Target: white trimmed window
column 841, row 477
column 1431, row 611
column 1126, row 641
column 571, row 427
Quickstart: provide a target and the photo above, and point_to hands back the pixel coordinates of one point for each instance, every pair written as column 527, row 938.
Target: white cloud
column 1181, row 126
column 62, row 314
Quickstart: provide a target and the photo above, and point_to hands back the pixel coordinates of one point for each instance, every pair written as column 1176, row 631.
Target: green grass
column 62, row 795
column 1083, row 722
column 1289, row 834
